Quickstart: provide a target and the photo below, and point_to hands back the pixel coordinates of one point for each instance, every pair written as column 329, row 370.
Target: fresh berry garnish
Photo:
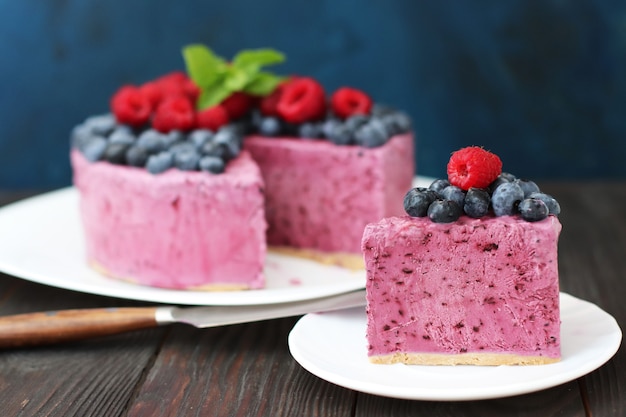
column 153, row 92
column 269, row 103
column 130, row 106
column 237, row 104
column 347, row 102
column 455, row 194
column 303, row 99
column 477, row 201
column 439, row 184
column 177, row 84
column 553, row 206
column 175, row 113
column 212, row 118
column 417, row 200
column 527, row 186
column 473, row 167
column 506, row 198
column 444, row 211
column 533, row 210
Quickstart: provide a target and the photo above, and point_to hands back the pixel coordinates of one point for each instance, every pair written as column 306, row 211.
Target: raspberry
column 237, row 104
column 269, row 103
column 153, row 92
column 130, row 106
column 176, row 113
column 212, row 118
column 177, row 84
column 347, row 102
column 473, row 167
column 302, row 100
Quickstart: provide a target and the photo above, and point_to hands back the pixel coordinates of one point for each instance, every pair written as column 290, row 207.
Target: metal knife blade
column 212, row 316
column 69, row 325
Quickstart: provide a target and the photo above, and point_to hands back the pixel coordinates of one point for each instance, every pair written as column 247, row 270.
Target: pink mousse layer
column 321, row 196
column 477, row 285
column 176, row 229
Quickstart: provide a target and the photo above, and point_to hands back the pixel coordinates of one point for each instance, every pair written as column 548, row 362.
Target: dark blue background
column 541, row 83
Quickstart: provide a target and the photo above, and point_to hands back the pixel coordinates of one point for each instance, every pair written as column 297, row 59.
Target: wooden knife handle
column 68, row 325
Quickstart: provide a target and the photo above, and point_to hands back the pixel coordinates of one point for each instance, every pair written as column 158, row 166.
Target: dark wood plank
column 241, row 370
column 91, row 378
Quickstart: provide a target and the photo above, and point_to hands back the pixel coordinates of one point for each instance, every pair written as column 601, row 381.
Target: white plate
column 333, row 347
column 41, row 240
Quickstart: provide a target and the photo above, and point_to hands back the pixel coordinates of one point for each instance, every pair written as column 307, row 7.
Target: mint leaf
column 213, row 96
column 263, row 84
column 251, row 60
column 236, row 78
column 203, row 66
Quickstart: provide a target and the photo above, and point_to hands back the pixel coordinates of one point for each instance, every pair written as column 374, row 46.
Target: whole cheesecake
column 447, row 288
column 189, row 176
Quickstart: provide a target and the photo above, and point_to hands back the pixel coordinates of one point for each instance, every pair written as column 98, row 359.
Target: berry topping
column 417, row 200
column 455, row 194
column 527, row 186
column 473, row 167
column 532, row 209
column 212, row 118
column 506, row 198
column 237, row 104
column 444, row 211
column 477, row 202
column 347, row 102
column 302, row 100
column 439, row 184
column 130, row 106
column 175, row 113
column 551, row 203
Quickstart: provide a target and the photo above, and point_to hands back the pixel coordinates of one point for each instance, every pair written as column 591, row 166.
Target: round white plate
column 332, row 346
column 41, row 240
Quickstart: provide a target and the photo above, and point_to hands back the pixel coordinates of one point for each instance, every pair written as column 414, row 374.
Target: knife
column 69, row 325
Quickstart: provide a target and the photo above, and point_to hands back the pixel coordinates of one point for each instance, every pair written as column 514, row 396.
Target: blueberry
column 200, row 137
column 527, row 186
column 476, row 203
column 417, row 200
column 136, row 156
column 396, row 123
column 270, row 126
column 533, row 209
column 444, row 211
column 380, row 110
column 439, row 184
column 230, row 139
column 80, row 136
column 174, row 136
column 215, row 149
column 122, row 134
column 101, row 125
column 338, row 133
column 553, row 205
column 355, row 122
column 310, row 130
column 182, row 146
column 94, row 148
column 160, row 162
column 152, row 140
column 505, row 199
column 212, row 164
column 501, row 179
column 115, row 153
column 187, row 160
column 455, row 194
column 371, row 135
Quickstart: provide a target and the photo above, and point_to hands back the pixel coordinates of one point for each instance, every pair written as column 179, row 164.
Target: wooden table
column 247, row 370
